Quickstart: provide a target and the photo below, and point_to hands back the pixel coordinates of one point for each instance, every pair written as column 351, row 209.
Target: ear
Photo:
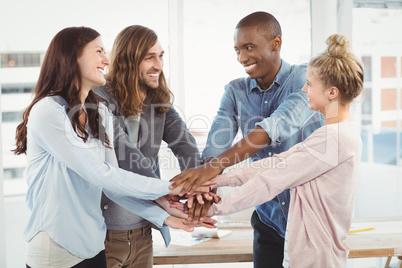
column 276, row 43
column 333, row 93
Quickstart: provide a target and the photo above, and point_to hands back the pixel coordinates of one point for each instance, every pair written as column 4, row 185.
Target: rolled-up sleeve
column 287, row 119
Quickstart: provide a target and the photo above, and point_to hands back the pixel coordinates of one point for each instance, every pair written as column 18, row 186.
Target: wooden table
column 235, row 247
column 384, row 241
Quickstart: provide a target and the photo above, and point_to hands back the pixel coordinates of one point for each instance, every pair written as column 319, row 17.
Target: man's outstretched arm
column 251, row 144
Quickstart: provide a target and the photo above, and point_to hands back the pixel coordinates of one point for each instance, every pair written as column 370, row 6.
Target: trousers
column 268, row 245
column 131, row 248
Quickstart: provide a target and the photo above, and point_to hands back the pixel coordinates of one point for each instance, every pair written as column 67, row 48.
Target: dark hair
column 267, row 24
column 339, row 67
column 129, row 49
column 60, row 76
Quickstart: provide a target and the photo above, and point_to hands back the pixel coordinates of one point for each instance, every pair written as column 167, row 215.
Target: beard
column 145, row 83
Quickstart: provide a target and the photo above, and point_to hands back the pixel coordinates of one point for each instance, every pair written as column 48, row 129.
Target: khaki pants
column 132, row 248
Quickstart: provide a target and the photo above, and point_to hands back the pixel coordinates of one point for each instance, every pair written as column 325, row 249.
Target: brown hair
column 338, row 67
column 129, row 49
column 60, row 76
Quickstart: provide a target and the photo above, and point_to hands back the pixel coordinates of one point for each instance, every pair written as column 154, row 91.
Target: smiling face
column 92, row 64
column 258, row 56
column 151, row 67
column 318, row 95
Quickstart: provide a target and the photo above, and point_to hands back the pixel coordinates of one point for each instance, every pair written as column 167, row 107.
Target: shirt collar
column 279, row 79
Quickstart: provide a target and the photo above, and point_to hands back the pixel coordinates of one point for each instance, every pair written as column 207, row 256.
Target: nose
column 304, row 89
column 242, row 57
column 158, row 64
column 105, row 60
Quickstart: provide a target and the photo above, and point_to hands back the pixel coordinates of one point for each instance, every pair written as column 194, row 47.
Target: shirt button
column 283, row 203
column 105, row 206
column 265, row 101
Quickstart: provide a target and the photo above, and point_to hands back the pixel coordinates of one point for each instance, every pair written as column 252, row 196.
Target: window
column 382, row 97
column 12, row 173
column 381, row 129
column 16, row 89
column 20, row 60
column 11, row 117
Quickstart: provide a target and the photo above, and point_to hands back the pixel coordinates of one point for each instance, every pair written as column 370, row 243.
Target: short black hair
column 267, row 24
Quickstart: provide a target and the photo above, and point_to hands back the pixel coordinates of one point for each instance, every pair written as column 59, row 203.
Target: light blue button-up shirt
column 281, row 110
column 66, row 177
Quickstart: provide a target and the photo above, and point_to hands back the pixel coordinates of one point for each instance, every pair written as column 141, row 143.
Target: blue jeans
column 267, row 245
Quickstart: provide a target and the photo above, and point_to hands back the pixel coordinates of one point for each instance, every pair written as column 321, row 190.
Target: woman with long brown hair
column 65, row 134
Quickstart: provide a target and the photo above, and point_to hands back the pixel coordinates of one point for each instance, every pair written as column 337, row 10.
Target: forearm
column 239, row 176
column 254, row 192
column 251, row 144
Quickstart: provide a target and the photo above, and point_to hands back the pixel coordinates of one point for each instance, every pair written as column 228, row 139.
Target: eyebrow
column 154, row 54
column 248, row 44
column 244, row 45
column 101, row 48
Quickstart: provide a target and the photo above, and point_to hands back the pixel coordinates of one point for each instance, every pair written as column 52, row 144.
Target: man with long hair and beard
column 138, row 95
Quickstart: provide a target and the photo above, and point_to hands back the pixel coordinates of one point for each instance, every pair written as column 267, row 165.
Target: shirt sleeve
column 238, row 176
column 224, row 127
column 147, row 209
column 180, row 141
column 302, row 163
column 287, row 119
column 50, row 127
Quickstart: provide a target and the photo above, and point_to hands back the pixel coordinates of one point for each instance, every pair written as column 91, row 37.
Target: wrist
column 218, row 164
column 213, row 188
column 206, row 160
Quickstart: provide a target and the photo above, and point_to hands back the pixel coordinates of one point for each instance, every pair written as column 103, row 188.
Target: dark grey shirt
column 137, row 141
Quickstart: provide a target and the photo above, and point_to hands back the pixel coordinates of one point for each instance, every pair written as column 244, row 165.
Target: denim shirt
column 281, row 110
